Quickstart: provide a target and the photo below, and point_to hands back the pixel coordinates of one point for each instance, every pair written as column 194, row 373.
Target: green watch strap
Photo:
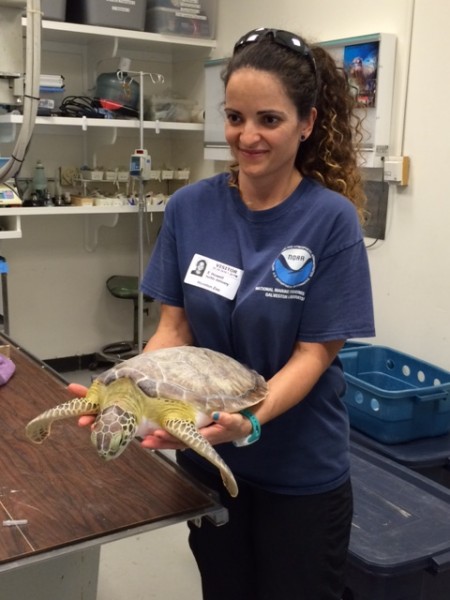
column 256, row 429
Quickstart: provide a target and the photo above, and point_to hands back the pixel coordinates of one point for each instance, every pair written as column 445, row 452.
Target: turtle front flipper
column 185, row 431
column 39, row 428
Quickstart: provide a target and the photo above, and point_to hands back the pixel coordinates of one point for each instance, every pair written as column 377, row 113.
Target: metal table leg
column 4, row 283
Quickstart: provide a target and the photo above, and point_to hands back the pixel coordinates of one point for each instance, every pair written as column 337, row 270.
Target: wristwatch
column 255, row 433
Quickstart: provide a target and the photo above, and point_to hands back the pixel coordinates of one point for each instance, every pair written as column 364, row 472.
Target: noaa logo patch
column 294, row 266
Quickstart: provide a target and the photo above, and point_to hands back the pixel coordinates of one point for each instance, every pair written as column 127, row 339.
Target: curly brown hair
column 329, row 155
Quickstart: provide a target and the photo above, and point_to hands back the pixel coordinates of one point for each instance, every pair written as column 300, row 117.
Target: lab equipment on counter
column 8, row 192
column 118, row 91
column 141, row 164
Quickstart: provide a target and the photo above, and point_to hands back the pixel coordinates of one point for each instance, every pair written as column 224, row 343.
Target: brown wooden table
column 69, row 496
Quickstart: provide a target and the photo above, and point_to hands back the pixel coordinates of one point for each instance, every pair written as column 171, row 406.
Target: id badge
column 214, row 276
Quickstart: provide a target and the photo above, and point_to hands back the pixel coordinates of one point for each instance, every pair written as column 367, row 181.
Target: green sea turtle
column 175, row 389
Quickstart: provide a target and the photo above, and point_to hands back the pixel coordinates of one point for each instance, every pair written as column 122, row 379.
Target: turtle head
column 113, row 430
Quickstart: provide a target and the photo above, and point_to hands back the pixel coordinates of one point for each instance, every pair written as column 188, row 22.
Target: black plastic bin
column 128, row 14
column 428, row 456
column 400, row 540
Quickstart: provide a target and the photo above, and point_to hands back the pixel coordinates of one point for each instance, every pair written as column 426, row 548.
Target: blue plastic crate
column 393, row 397
column 352, row 344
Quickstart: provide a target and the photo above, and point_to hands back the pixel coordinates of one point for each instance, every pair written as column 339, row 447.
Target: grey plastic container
column 53, row 10
column 108, row 13
column 198, row 19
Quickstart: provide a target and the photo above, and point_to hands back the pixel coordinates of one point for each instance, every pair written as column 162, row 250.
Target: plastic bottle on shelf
column 39, row 179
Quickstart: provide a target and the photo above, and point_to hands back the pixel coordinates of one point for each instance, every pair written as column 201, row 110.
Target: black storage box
column 108, row 13
column 400, row 540
column 428, row 456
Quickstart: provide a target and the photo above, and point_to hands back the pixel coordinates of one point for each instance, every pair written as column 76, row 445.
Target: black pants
column 274, row 547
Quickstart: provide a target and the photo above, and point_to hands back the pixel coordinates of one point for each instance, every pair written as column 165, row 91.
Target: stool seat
column 124, row 287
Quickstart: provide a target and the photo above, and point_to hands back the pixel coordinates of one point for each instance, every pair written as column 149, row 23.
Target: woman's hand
column 77, row 390
column 80, row 391
column 225, row 427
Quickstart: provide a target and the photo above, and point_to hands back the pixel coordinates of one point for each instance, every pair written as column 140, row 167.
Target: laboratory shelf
column 104, row 42
column 13, row 234
column 35, row 211
column 95, row 44
column 94, row 218
column 86, row 123
column 77, row 33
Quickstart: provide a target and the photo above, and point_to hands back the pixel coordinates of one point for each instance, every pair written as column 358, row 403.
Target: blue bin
column 352, row 344
column 400, row 538
column 393, row 397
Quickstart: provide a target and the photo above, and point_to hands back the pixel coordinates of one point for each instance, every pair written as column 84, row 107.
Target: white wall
column 410, row 269
column 59, row 304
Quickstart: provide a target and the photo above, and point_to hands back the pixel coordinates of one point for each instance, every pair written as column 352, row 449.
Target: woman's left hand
column 225, row 427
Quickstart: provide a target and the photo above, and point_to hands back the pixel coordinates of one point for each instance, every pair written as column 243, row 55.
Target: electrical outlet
column 396, row 169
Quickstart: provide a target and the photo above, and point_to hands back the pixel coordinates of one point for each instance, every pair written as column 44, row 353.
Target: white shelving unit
column 95, row 217
column 29, row 211
column 101, row 43
column 58, row 31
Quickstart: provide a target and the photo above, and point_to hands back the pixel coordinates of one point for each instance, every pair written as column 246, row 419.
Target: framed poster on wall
column 369, row 64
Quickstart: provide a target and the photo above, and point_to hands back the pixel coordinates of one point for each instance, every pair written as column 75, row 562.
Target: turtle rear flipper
column 38, row 429
column 186, row 432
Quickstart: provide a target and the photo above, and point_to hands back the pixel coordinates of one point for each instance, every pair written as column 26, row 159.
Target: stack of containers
column 399, row 406
column 399, row 410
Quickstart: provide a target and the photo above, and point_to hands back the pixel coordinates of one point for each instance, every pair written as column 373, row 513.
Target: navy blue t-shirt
column 253, row 283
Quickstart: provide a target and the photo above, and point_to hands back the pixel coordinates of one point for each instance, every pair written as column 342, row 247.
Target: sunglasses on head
column 280, row 37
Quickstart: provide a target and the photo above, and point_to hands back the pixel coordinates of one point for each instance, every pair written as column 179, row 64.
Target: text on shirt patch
column 270, row 292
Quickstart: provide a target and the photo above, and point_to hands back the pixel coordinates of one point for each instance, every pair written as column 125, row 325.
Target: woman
column 287, row 283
